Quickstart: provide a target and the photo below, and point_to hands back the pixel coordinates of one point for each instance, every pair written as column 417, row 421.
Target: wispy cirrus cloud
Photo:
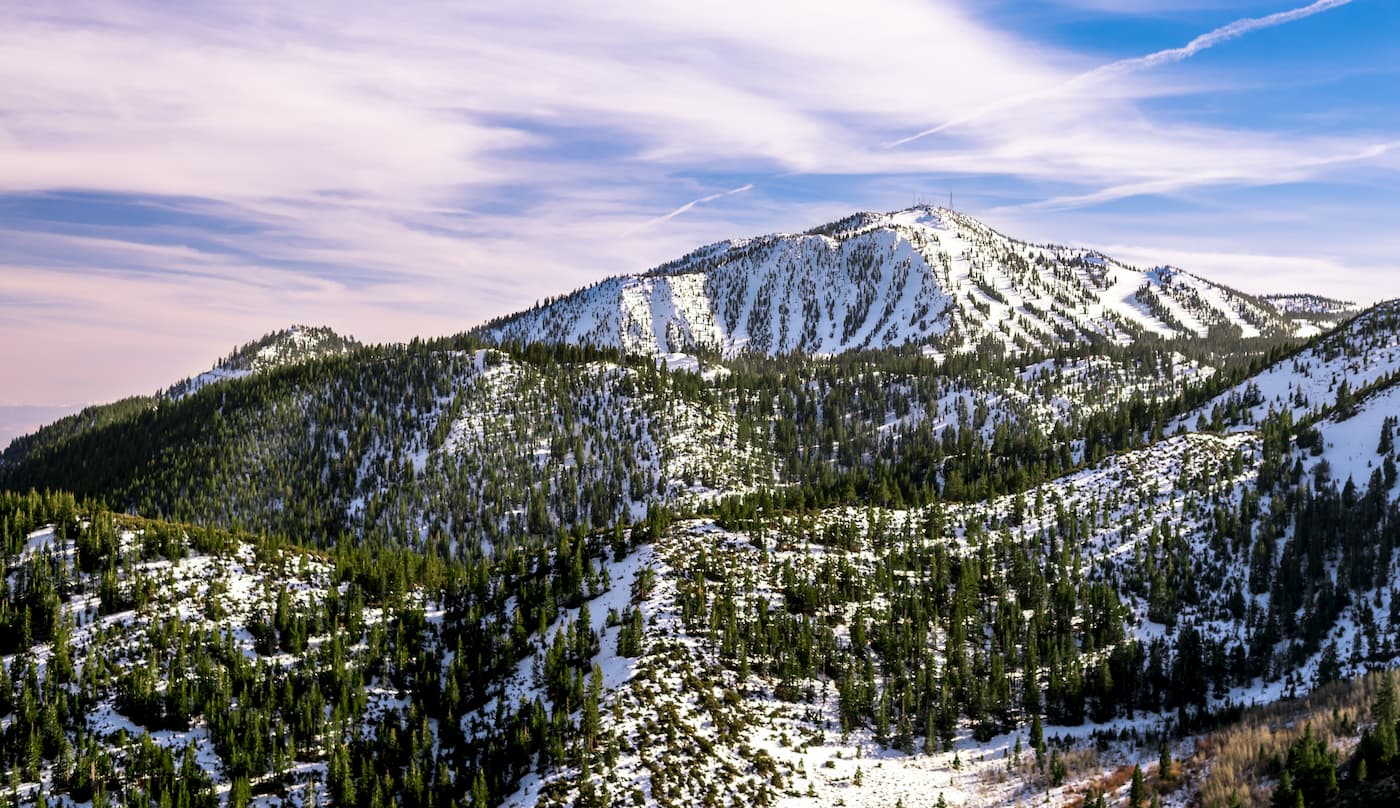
column 1246, row 174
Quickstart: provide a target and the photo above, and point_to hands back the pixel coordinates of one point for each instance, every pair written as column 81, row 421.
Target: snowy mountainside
column 858, row 655
column 1181, row 629
column 1353, row 442
column 1097, row 384
column 1312, row 306
column 1313, row 314
column 924, row 276
column 138, row 623
column 546, row 575
column 417, row 446
column 1240, row 572
column 296, row 343
column 1362, row 353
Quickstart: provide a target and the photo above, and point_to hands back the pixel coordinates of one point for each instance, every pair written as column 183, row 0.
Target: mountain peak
column 285, row 346
column 925, row 275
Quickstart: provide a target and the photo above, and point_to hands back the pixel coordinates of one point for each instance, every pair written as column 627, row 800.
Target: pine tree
column 1384, row 712
column 1137, row 791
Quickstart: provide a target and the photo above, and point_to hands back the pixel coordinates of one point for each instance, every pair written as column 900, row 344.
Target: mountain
column 1312, row 306
column 923, row 276
column 287, row 346
column 481, row 571
column 1313, row 314
column 414, row 444
column 809, row 622
column 1338, row 367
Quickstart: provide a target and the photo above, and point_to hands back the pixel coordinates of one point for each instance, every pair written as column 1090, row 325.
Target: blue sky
column 176, row 179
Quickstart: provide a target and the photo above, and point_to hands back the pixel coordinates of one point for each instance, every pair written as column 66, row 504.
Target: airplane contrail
column 692, row 203
column 1121, row 67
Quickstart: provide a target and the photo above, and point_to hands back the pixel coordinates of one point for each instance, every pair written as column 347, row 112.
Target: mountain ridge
column 280, row 348
column 923, row 276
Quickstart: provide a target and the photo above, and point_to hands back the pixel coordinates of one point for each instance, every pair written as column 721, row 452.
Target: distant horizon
column 176, row 183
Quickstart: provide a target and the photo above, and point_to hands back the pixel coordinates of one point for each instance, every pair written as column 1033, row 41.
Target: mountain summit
column 924, row 276
column 285, row 346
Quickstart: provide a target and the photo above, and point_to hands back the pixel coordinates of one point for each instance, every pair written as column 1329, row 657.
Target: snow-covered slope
column 288, row 346
column 1147, row 522
column 1201, row 537
column 1313, row 314
column 1314, row 306
column 1358, row 355
column 1354, row 444
column 927, row 276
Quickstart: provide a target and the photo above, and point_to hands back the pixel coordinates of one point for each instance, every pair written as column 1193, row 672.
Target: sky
column 180, row 178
